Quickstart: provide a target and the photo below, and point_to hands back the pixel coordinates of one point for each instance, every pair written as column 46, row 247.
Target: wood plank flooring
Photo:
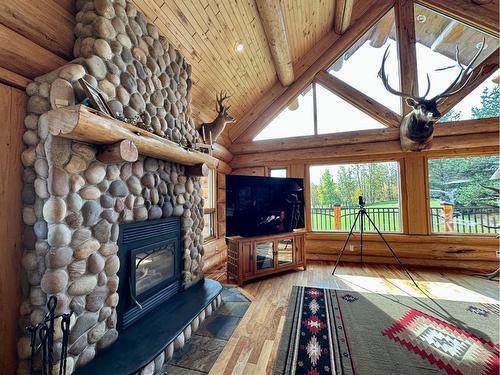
column 253, row 345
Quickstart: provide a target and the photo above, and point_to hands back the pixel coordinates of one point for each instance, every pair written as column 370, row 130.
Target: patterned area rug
column 342, row 332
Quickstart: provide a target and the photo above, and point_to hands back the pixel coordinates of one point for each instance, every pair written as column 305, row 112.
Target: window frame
column 211, row 211
column 427, row 180
column 269, row 169
column 342, row 161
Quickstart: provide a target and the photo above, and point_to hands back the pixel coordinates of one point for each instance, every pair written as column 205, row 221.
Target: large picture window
column 464, row 195
column 208, row 190
column 335, row 190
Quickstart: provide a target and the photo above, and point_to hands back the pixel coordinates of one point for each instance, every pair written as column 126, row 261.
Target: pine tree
column 490, row 105
column 327, row 191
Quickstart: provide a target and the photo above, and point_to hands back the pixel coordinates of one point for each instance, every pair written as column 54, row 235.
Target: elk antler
column 385, row 80
column 219, row 106
column 463, row 73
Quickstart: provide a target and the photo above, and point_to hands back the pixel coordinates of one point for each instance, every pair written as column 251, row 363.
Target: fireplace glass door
column 153, row 267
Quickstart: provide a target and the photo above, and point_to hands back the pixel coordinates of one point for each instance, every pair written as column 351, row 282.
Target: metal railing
column 444, row 219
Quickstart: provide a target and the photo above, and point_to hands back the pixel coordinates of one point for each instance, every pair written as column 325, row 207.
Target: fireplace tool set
column 42, row 340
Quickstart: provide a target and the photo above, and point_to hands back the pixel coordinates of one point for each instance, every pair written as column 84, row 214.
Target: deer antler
column 385, row 80
column 463, row 72
column 219, row 106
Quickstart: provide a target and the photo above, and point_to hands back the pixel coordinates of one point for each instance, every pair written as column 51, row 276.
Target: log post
column 337, row 212
column 447, row 211
column 200, row 170
column 118, row 152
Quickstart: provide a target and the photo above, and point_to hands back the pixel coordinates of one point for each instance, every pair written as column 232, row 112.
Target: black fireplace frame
column 137, row 237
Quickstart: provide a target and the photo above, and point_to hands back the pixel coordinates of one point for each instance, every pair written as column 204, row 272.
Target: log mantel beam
column 83, row 124
column 273, row 22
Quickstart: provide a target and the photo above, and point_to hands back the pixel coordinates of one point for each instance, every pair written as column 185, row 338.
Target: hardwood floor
column 253, row 345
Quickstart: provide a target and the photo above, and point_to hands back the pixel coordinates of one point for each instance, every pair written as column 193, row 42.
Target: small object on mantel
column 200, row 170
column 205, row 148
column 118, row 152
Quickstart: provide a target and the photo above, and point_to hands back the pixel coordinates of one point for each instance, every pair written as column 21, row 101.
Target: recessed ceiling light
column 421, row 18
column 479, row 45
column 239, row 47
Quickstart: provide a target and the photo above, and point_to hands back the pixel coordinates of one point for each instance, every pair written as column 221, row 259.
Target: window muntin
column 208, row 193
column 335, row 190
column 463, row 195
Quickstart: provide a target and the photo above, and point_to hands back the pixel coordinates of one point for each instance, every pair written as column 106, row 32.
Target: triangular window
column 437, row 37
column 483, row 102
column 359, row 66
column 335, row 115
column 295, row 120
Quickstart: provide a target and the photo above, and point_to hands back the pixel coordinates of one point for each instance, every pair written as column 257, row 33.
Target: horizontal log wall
column 416, row 245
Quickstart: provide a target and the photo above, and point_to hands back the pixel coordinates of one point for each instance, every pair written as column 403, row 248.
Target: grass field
column 386, row 220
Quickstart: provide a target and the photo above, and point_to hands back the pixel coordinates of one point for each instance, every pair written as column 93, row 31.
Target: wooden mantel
column 81, row 123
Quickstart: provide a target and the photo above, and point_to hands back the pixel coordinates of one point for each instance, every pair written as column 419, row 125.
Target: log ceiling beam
column 13, row 79
column 342, row 15
column 488, row 66
column 484, row 16
column 361, row 101
column 446, row 129
column 407, row 55
column 450, row 34
column 382, row 31
column 331, row 48
column 273, row 22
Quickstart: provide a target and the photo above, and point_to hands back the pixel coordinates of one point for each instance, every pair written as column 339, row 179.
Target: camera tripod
column 361, row 217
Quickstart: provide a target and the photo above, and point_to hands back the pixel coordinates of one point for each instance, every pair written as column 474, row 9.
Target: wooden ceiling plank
column 24, row 57
column 273, row 23
column 342, row 18
column 259, row 119
column 488, row 66
column 361, row 101
column 43, row 22
column 407, row 54
column 484, row 17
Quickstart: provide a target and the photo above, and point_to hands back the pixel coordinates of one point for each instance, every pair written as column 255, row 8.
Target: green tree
column 490, row 104
column 327, row 191
column 451, row 115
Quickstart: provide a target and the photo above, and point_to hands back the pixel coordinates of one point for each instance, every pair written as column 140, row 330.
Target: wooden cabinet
column 252, row 257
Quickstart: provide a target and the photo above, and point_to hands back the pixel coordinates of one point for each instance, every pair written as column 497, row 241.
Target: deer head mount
column 214, row 129
column 417, row 127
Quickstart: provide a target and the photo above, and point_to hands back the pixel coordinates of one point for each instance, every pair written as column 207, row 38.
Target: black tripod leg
column 345, row 243
column 361, row 226
column 392, row 251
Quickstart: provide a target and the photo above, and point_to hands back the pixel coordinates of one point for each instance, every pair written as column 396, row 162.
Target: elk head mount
column 215, row 128
column 417, row 127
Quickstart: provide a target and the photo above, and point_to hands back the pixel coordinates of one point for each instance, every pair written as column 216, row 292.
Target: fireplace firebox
column 150, row 267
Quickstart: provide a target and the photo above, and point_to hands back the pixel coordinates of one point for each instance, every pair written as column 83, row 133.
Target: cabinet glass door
column 285, row 252
column 264, row 255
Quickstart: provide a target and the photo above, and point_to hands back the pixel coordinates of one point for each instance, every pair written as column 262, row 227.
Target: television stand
column 252, row 257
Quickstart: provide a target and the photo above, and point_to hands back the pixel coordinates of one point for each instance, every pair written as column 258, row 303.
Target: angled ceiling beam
column 342, row 15
column 273, row 22
column 272, row 102
column 407, row 54
column 361, row 101
column 484, row 17
column 486, row 68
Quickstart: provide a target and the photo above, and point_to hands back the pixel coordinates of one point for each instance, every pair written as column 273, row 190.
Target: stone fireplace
column 100, row 236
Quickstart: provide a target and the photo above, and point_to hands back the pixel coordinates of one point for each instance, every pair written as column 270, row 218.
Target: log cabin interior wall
column 37, row 37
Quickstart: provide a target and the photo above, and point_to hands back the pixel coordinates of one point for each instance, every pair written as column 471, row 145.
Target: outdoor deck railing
column 481, row 220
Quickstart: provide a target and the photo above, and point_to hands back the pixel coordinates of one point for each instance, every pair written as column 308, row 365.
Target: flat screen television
column 263, row 205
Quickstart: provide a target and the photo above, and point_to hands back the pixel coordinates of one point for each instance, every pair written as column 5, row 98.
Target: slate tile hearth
column 202, row 350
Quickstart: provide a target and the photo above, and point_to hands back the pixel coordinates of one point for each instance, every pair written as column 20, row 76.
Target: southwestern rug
column 343, row 332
